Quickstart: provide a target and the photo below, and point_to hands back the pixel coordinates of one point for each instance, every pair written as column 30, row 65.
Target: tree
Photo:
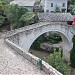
column 37, row 42
column 72, row 2
column 29, row 18
column 57, row 9
column 7, row 1
column 2, row 19
column 72, row 9
column 57, row 62
column 13, row 13
column 72, row 53
column 54, row 38
column 1, row 7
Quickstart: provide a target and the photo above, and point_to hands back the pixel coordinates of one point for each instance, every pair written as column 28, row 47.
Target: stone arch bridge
column 25, row 36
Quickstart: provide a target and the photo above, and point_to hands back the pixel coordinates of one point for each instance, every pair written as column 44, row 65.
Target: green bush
column 57, row 9
column 57, row 62
column 72, row 9
column 37, row 42
column 2, row 19
column 72, row 2
column 28, row 18
column 7, row 1
column 14, row 13
column 72, row 53
column 54, row 38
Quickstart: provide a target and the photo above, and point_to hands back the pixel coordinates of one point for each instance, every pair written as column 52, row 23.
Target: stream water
column 41, row 54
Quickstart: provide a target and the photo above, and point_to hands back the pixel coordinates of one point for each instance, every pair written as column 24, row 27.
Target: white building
column 50, row 5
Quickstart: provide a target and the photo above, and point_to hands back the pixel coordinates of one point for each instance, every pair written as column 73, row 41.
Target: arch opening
column 65, row 43
column 47, row 38
column 64, row 38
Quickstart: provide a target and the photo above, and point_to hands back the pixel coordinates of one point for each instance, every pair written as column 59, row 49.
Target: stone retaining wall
column 45, row 66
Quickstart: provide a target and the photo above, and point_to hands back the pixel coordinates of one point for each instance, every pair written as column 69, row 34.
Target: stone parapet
column 45, row 66
column 30, row 27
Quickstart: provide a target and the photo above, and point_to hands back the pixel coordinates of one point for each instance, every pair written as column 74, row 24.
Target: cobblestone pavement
column 11, row 63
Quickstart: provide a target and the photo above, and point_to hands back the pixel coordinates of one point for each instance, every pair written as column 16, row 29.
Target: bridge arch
column 26, row 36
column 66, row 43
column 26, row 40
column 63, row 36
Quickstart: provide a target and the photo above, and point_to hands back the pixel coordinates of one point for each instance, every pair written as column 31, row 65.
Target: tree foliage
column 37, row 42
column 7, row 1
column 17, row 15
column 72, row 53
column 72, row 9
column 54, row 38
column 57, row 9
column 2, row 19
column 57, row 62
column 72, row 2
column 1, row 5
column 29, row 18
column 13, row 13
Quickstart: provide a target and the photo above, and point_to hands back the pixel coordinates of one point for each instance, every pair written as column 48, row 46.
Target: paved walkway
column 13, row 63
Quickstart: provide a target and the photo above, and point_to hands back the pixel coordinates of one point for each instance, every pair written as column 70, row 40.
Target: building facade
column 45, row 5
column 50, row 5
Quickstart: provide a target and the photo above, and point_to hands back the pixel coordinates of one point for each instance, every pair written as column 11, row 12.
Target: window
column 47, row 10
column 51, row 4
column 52, row 11
column 63, row 10
column 63, row 5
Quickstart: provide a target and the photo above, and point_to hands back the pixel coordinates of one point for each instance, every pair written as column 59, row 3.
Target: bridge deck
column 30, row 27
column 13, row 63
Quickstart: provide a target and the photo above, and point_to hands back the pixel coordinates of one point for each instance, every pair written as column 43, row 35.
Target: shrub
column 72, row 9
column 57, row 9
column 13, row 13
column 6, row 1
column 37, row 42
column 2, row 19
column 29, row 18
column 54, row 38
column 72, row 53
column 57, row 62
